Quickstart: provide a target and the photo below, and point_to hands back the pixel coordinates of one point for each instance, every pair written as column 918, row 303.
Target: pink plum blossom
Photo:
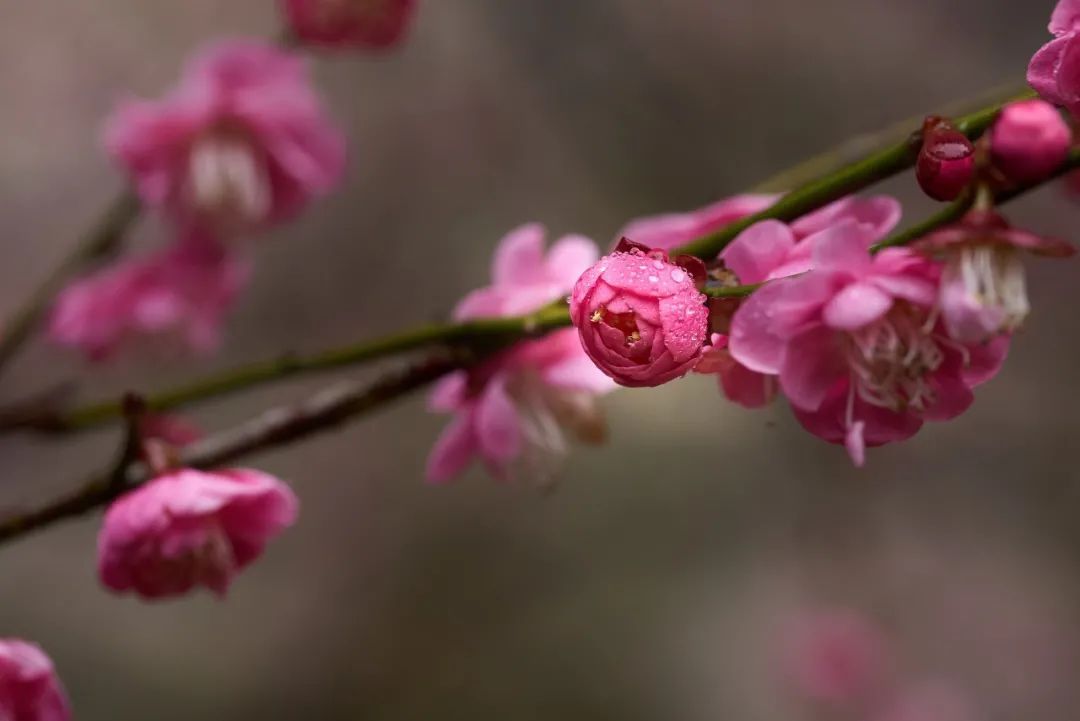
column 189, row 528
column 855, row 345
column 513, row 410
column 641, row 318
column 983, row 288
column 837, row 657
column 1029, row 141
column 29, row 687
column 242, row 142
column 1054, row 71
column 769, row 250
column 185, row 290
column 362, row 24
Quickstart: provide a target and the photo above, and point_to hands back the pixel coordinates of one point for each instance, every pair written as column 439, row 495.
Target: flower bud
column 29, row 688
column 640, row 316
column 1029, row 141
column 946, row 163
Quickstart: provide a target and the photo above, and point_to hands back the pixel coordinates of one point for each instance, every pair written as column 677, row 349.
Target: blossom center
column 891, row 360
column 625, row 323
column 227, row 180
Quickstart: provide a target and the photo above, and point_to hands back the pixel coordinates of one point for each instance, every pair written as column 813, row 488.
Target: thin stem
column 843, row 181
column 272, row 429
column 474, row 334
column 101, row 240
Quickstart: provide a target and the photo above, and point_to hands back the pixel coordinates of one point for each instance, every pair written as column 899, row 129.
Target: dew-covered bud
column 946, row 163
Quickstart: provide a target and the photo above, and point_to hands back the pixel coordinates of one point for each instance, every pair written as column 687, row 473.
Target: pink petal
column 878, row 215
column 519, row 257
column 758, row 251
column 1066, row 17
column 812, row 365
column 1042, row 72
column 685, row 321
column 747, row 388
column 966, row 319
column 571, row 256
column 856, row 306
column 449, row 393
column 675, row 229
column 843, row 247
column 752, row 341
column 480, row 303
column 984, row 360
column 498, row 427
column 453, row 450
column 855, row 443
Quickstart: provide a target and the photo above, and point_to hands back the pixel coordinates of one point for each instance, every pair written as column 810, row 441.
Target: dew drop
column 653, row 279
column 678, row 275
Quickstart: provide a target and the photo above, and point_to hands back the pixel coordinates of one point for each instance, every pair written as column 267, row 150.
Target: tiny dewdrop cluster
column 241, row 144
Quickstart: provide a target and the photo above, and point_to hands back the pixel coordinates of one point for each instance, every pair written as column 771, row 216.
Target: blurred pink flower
column 837, row 657
column 1029, row 141
column 641, row 318
column 1055, row 69
column 771, row 249
column 854, row 344
column 929, row 701
column 511, row 411
column 190, row 528
column 243, row 141
column 983, row 288
column 185, row 290
column 669, row 231
column 29, row 688
column 363, row 24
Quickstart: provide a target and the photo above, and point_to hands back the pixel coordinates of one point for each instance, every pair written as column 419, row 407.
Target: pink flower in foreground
column 983, row 289
column 190, row 528
column 29, row 688
column 242, row 142
column 512, row 411
column 185, row 290
column 1055, row 69
column 371, row 24
column 838, row 657
column 1029, row 141
column 641, row 318
column 855, row 346
column 771, row 249
column 935, row 701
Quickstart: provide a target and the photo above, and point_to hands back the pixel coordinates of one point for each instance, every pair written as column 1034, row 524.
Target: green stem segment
column 475, row 334
column 835, row 185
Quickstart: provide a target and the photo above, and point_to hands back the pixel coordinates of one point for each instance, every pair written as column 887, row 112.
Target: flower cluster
column 513, row 410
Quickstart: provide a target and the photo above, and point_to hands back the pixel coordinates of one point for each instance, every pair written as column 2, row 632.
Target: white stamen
column 891, row 360
column 994, row 276
column 226, row 180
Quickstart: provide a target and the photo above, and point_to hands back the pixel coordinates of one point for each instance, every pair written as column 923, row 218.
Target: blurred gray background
column 653, row 583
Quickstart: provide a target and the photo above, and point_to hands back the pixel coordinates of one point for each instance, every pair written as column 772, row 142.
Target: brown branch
column 274, row 428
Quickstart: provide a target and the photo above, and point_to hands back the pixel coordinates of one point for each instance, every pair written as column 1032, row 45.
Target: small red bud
column 946, row 164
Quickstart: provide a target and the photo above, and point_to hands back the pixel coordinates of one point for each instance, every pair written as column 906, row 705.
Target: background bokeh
column 653, row 583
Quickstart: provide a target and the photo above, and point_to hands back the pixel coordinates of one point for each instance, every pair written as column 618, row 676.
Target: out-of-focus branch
column 103, row 238
column 841, row 181
column 475, row 335
column 275, row 428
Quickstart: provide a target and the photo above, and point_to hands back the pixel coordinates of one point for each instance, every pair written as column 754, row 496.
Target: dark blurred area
column 653, row 583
